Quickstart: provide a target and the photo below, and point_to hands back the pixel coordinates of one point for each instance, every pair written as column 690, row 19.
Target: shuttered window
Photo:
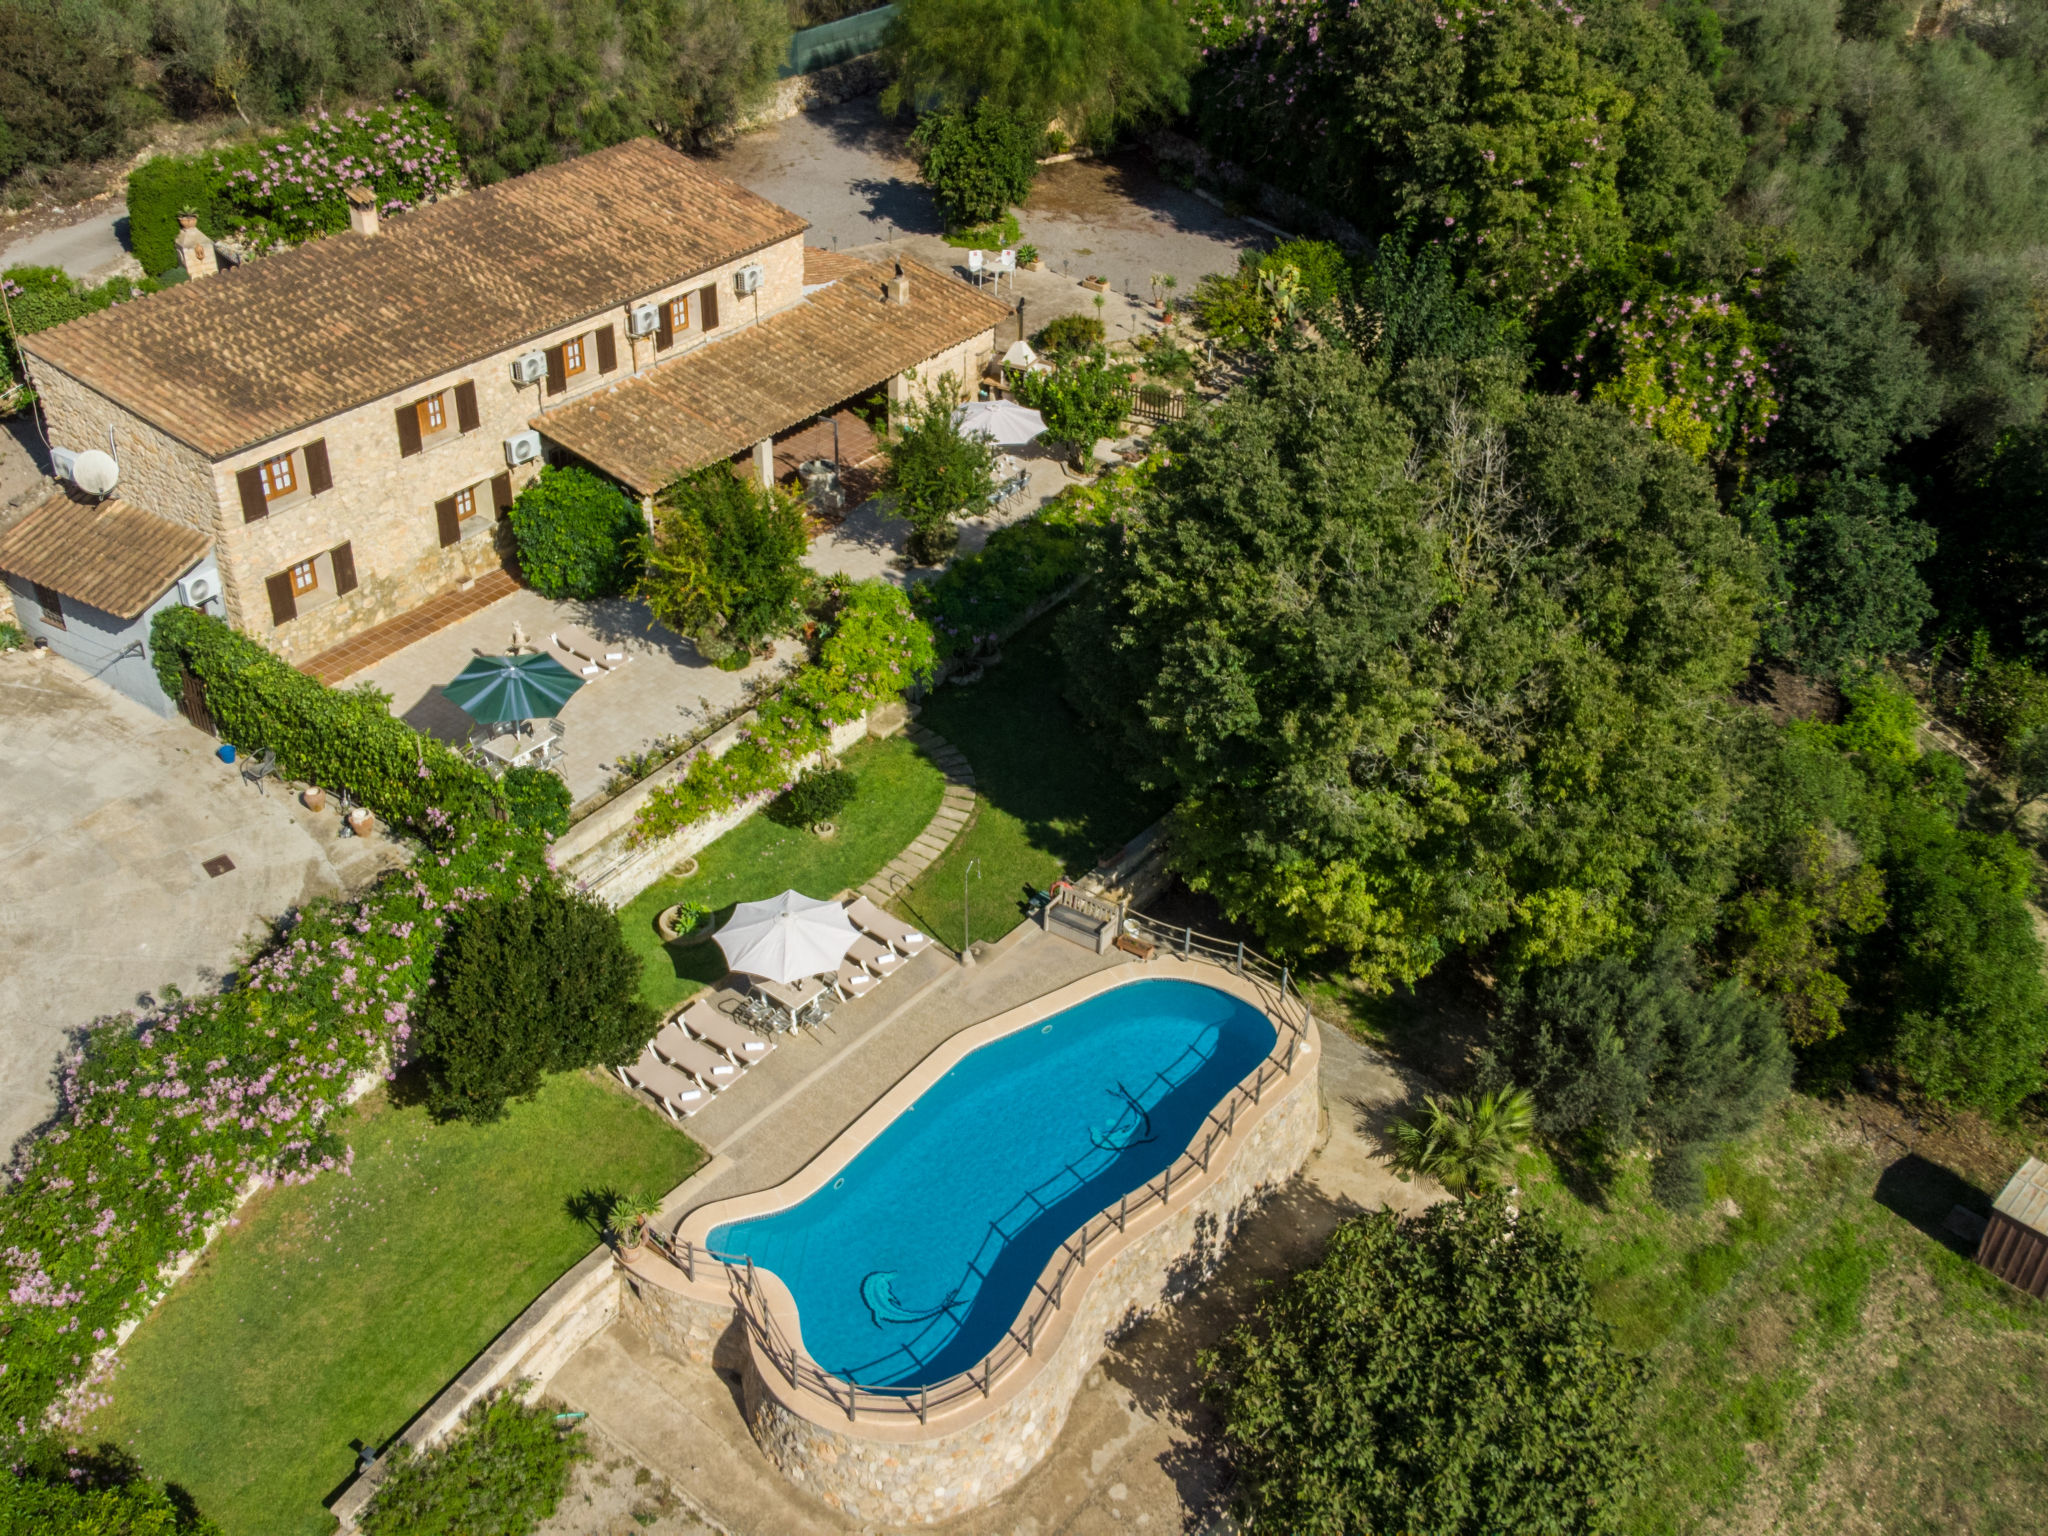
column 607, row 348
column 277, row 477
column 573, row 361
column 51, row 604
column 501, row 495
column 466, row 417
column 465, row 503
column 319, row 478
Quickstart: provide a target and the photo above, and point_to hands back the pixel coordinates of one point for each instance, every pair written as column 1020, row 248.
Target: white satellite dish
column 95, row 472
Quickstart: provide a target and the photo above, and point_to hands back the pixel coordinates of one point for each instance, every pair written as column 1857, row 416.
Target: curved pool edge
column 957, row 1459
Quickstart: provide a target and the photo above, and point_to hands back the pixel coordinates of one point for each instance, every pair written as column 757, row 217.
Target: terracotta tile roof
column 258, row 351
column 110, row 555
column 725, row 397
column 2025, row 1196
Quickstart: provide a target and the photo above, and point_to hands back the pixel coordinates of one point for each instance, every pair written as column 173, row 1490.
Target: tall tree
column 1441, row 1375
column 722, row 563
column 1422, row 680
column 1843, row 559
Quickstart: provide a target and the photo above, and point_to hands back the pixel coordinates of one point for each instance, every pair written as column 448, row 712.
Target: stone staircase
column 956, row 810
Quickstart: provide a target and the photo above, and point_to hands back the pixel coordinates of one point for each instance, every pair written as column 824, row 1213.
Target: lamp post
column 973, row 870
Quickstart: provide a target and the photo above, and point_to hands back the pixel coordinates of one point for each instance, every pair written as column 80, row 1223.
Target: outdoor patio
column 660, row 686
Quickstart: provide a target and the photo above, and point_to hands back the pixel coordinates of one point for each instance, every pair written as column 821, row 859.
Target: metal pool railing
column 1291, row 1013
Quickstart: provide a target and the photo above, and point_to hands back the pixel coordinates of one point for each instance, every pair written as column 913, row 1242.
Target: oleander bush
column 163, row 1121
column 577, row 533
column 876, row 647
column 291, row 187
column 342, row 739
column 502, row 1475
column 818, row 794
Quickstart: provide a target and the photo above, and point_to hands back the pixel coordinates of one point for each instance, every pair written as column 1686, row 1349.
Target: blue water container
column 227, row 752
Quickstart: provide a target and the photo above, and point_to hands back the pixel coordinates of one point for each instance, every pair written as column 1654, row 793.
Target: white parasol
column 1000, row 421
column 786, row 937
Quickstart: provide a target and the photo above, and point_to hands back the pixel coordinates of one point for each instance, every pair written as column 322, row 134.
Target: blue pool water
column 909, row 1265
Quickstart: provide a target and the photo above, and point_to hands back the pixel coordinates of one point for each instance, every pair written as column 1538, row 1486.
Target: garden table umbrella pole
column 787, row 937
column 502, row 689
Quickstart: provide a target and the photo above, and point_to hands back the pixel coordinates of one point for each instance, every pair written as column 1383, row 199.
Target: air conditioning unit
column 529, row 367
column 522, row 448
column 642, row 320
column 198, row 589
column 748, row 279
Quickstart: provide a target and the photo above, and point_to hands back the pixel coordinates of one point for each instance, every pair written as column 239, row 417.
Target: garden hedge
column 158, row 189
column 341, row 739
column 578, row 534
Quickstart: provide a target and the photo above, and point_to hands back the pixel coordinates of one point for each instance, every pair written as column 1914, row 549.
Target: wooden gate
column 192, row 701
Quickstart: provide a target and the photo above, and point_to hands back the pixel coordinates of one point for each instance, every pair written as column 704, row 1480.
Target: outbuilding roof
column 2025, row 1196
column 843, row 338
column 110, row 555
column 264, row 349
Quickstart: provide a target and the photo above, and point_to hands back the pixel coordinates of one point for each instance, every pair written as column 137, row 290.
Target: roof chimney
column 195, row 251
column 362, row 209
column 899, row 285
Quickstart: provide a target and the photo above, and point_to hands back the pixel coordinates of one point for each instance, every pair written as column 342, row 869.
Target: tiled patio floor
column 394, row 635
column 666, row 688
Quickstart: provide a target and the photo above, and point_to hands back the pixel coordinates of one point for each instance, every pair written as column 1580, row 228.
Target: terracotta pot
column 314, row 798
column 360, row 821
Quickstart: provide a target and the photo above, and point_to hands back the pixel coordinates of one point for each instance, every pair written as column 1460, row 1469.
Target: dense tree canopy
column 722, row 566
column 1441, row 1375
column 1430, row 676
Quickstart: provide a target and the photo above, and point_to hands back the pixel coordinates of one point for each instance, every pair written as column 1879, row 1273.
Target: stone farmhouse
column 320, row 441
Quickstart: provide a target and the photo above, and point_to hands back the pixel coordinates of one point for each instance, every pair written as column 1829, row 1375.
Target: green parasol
column 502, row 689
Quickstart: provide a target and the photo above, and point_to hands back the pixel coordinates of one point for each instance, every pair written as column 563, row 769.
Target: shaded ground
column 107, row 813
column 332, row 1311
column 613, row 1495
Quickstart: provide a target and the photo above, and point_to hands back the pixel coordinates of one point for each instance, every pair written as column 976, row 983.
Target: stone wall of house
column 964, row 362
column 908, row 1479
column 158, row 473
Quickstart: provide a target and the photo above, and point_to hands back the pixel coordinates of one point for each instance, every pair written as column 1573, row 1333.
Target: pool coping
column 713, row 1289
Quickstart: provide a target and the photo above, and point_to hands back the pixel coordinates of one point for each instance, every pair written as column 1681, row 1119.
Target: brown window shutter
column 607, row 349
column 451, row 525
column 466, row 418
column 283, row 606
column 250, row 483
column 51, row 601
column 408, row 430
column 707, row 299
column 318, row 477
column 664, row 330
column 501, row 495
column 344, row 556
column 558, row 380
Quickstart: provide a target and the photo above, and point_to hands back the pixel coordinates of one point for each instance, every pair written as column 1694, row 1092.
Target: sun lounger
column 879, row 958
column 853, row 980
column 696, row 1058
column 729, row 1035
column 877, row 924
column 672, row 1090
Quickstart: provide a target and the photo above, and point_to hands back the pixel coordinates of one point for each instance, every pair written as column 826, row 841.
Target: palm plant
column 1467, row 1145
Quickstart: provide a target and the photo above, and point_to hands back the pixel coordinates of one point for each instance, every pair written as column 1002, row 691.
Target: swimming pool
column 911, row 1262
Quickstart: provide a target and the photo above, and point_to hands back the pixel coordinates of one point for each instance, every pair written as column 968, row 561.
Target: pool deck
column 1136, row 1453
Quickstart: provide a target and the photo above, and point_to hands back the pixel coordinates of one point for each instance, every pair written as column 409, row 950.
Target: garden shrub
column 166, row 1119
column 1081, row 402
column 60, row 1491
column 40, row 297
column 818, row 795
column 291, row 187
column 2002, row 702
column 979, row 163
column 875, row 647
column 501, row 1475
column 11, row 638
column 985, row 595
column 936, row 473
column 577, row 534
column 538, row 800
column 530, row 982
column 1071, row 333
column 342, row 739
column 722, row 567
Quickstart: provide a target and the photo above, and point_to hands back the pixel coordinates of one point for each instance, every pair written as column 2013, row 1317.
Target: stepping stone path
column 956, row 809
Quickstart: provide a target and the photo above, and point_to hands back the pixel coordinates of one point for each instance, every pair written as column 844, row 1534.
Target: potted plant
column 314, row 798
column 684, row 923
column 360, row 821
column 627, row 1225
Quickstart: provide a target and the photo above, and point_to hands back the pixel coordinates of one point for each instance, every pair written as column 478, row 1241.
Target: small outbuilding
column 88, row 575
column 2015, row 1242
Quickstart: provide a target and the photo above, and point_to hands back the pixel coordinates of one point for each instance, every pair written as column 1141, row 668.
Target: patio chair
column 879, row 925
column 708, row 1024
column 794, row 998
column 879, row 958
column 672, row 1090
column 853, row 980
column 257, row 769
column 759, row 1013
column 675, row 1045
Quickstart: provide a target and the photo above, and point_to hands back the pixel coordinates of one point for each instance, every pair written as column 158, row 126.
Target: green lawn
column 898, row 794
column 1051, row 803
column 336, row 1310
column 1821, row 1361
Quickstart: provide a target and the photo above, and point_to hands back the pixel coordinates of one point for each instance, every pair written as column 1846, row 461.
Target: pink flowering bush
column 876, row 648
column 163, row 1120
column 1691, row 367
column 291, row 188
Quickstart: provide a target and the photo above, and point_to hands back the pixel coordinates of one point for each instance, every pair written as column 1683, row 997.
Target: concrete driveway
column 107, row 813
column 92, row 248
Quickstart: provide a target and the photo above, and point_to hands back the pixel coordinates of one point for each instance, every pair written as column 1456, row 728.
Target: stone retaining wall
column 913, row 1481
